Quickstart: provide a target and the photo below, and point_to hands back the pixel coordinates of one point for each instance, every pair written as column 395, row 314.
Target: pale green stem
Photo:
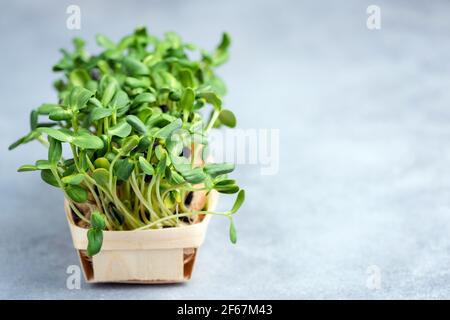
column 99, row 204
column 138, row 193
column 183, row 215
column 112, row 195
column 133, row 222
column 105, row 209
column 164, row 210
column 213, row 119
column 184, row 188
column 77, row 212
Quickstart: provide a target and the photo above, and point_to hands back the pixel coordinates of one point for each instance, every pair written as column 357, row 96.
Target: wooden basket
column 145, row 256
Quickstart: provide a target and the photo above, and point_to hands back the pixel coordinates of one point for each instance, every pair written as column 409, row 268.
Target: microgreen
column 126, row 114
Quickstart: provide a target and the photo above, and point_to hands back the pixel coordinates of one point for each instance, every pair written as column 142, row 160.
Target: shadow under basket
column 146, row 256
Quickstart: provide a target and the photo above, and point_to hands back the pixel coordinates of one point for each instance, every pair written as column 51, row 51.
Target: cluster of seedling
column 131, row 117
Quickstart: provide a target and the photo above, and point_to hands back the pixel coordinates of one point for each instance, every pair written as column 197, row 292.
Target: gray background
column 364, row 156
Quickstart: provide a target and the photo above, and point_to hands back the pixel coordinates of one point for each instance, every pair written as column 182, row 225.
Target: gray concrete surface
column 364, row 174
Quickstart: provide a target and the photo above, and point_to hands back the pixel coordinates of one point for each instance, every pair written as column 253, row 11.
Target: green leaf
column 110, row 156
column 187, row 100
column 109, row 92
column 43, row 164
column 112, row 54
column 194, row 175
column 129, row 144
column 47, row 108
column 175, row 95
column 220, row 56
column 227, row 118
column 134, row 67
column 73, row 179
column 69, row 163
column 175, row 145
column 48, row 177
column 146, row 166
column 143, row 145
column 102, row 162
column 239, row 200
column 54, row 151
column 98, row 221
column 25, row 139
column 233, row 237
column 169, row 81
column 122, row 130
column 225, row 43
column 104, row 42
column 56, row 134
column 123, row 169
column 161, row 152
column 33, row 119
column 175, row 177
column 27, row 167
column 100, row 113
column 77, row 193
column 180, row 163
column 84, row 159
column 187, row 78
column 227, row 189
column 79, row 77
column 145, row 97
column 211, row 98
column 161, row 167
column 120, row 100
column 199, row 104
column 225, row 182
column 87, row 141
column 159, row 119
column 95, row 241
column 79, row 97
column 166, row 131
column 95, row 103
column 101, row 176
column 137, row 83
column 136, row 124
column 59, row 114
column 216, row 169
